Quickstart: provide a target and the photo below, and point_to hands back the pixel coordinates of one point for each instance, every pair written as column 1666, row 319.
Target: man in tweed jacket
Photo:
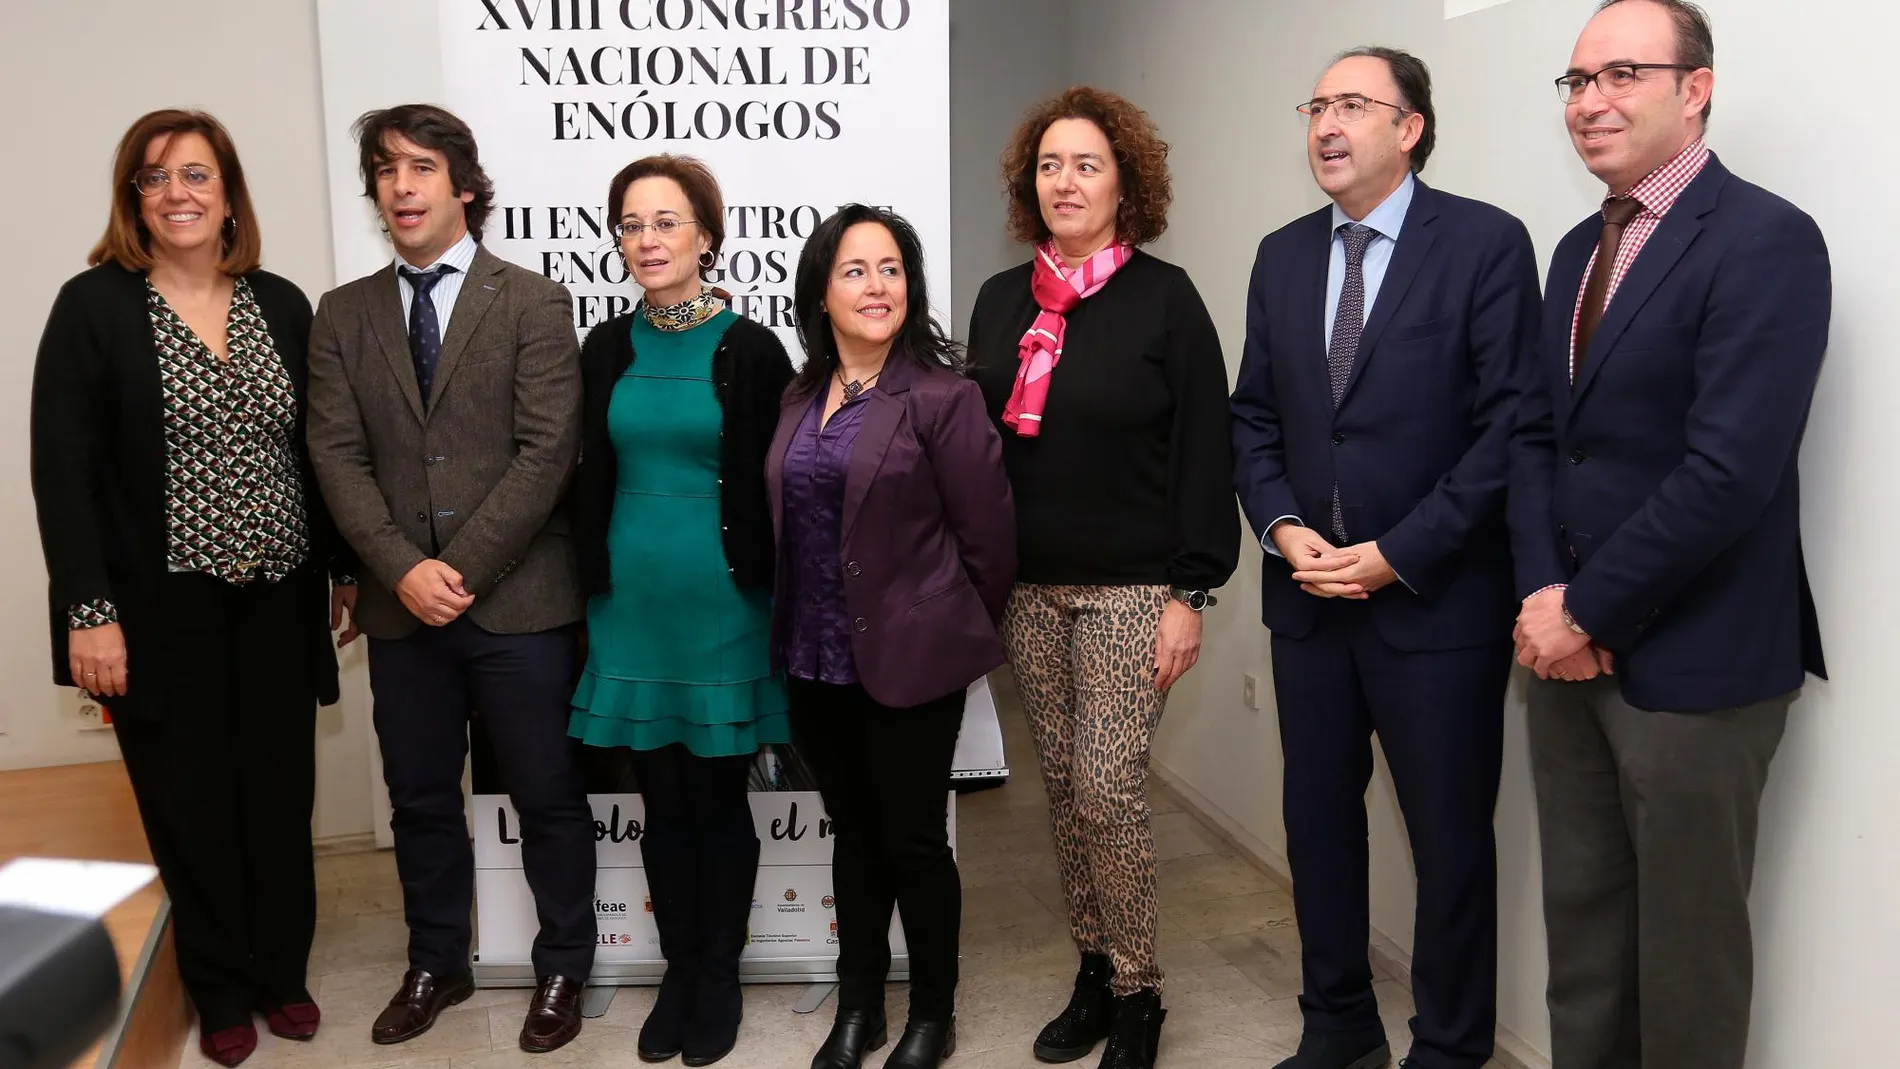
column 444, row 423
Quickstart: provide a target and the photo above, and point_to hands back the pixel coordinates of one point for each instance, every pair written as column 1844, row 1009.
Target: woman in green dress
column 674, row 542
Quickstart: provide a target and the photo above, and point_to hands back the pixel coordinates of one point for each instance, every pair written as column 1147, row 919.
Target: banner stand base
column 814, row 997
column 596, row 1001
column 607, row 975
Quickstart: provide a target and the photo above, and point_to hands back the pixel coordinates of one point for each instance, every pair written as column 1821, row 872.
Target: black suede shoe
column 852, row 1033
column 1363, row 1049
column 663, row 1033
column 924, row 1045
column 1084, row 1022
column 1136, row 1033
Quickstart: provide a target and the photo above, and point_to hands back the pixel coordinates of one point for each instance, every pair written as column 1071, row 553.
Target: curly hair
column 1141, row 158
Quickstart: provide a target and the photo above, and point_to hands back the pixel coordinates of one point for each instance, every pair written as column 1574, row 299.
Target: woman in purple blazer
column 897, row 548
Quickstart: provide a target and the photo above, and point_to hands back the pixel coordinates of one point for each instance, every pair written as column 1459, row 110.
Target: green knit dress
column 677, row 652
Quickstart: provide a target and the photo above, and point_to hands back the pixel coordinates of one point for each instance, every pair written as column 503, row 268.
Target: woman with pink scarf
column 1104, row 372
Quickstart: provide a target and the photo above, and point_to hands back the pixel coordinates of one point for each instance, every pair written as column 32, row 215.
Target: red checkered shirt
column 1657, row 193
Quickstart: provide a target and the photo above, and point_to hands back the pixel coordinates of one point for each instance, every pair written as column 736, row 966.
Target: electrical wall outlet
column 1250, row 691
column 93, row 716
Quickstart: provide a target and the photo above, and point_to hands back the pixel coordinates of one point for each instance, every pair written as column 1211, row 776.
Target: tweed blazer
column 471, row 478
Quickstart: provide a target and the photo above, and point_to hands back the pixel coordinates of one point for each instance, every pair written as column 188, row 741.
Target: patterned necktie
column 425, row 329
column 1617, row 212
column 1349, row 323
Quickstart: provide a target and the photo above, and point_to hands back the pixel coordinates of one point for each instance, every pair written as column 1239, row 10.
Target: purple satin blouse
column 818, row 643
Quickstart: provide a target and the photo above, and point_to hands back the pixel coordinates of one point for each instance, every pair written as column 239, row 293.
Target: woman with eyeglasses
column 679, row 401
column 190, row 561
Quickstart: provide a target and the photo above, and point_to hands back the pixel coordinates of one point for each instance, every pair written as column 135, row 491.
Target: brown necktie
column 1617, row 212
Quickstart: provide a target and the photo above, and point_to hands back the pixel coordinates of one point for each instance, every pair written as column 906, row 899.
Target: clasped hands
column 433, row 591
column 1547, row 645
column 1327, row 571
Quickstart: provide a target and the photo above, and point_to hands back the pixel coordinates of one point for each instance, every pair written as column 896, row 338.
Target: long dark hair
column 921, row 339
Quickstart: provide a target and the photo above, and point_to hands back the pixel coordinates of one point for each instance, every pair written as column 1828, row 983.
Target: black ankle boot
column 852, row 1034
column 924, row 1045
column 1136, row 1034
column 1084, row 1023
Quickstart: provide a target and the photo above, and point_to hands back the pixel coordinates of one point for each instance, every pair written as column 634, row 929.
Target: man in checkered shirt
column 1655, row 515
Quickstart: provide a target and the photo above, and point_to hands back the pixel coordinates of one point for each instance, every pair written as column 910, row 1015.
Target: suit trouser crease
column 1084, row 659
column 885, row 777
column 1648, row 825
column 225, row 781
column 427, row 686
column 1438, row 715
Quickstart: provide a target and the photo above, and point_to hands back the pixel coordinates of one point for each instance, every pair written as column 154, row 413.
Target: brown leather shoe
column 416, row 1005
column 554, row 1015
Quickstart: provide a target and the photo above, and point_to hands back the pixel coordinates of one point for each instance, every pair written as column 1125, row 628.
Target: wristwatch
column 1571, row 621
column 1193, row 599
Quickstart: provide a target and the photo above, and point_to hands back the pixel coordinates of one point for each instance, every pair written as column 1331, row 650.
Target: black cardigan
column 1131, row 481
column 750, row 370
column 100, row 482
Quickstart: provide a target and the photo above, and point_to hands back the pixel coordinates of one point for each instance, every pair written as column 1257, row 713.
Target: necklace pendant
column 852, row 390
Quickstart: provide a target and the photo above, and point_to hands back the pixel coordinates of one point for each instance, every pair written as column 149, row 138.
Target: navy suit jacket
column 1663, row 488
column 1419, row 444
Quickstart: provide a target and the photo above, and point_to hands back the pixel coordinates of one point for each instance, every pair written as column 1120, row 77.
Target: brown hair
column 1140, row 156
column 1695, row 40
column 126, row 241
column 693, row 176
column 435, row 129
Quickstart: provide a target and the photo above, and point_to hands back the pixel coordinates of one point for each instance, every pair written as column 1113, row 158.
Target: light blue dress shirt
column 460, row 256
column 1386, row 221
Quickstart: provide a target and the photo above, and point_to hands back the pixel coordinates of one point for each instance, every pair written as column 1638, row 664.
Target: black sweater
column 100, row 482
column 1131, row 480
column 749, row 372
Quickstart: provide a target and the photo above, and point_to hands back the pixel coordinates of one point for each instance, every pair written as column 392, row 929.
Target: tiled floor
column 1227, row 941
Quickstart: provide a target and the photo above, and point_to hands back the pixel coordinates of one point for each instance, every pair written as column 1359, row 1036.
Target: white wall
column 255, row 66
column 1222, row 85
column 80, row 74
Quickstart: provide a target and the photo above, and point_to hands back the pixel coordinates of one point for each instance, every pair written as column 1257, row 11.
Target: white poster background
column 798, row 107
column 793, row 915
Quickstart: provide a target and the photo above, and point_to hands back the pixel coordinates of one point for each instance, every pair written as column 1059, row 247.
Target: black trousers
column 1439, row 716
column 885, row 777
column 427, row 686
column 225, row 780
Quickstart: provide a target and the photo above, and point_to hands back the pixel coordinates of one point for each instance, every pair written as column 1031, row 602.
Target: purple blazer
column 929, row 535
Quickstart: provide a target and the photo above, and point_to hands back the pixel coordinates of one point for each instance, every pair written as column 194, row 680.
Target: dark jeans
column 1439, row 716
column 1647, row 822
column 885, row 777
column 427, row 686
column 225, row 781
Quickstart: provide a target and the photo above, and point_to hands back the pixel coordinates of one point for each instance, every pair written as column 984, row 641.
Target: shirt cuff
column 1266, row 540
column 1401, row 578
column 90, row 614
column 1542, row 589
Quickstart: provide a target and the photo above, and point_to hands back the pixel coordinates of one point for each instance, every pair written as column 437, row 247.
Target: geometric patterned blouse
column 234, row 494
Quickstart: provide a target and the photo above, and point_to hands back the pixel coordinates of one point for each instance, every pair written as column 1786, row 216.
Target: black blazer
column 99, row 478
column 750, row 371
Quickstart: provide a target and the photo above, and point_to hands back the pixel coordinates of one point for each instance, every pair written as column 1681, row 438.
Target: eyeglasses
column 1349, row 108
column 666, row 228
column 1612, row 81
column 151, row 181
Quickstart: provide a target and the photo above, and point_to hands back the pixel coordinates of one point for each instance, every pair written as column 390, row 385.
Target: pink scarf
column 1058, row 289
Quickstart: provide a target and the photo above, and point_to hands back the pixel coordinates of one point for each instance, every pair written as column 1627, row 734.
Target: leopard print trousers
column 1084, row 658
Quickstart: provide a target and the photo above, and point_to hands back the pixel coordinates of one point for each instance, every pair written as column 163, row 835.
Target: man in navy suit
column 1389, row 341
column 1655, row 519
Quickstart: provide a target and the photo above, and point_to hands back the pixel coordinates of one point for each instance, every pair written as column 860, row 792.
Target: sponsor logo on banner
column 791, row 894
column 829, row 903
column 604, row 908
